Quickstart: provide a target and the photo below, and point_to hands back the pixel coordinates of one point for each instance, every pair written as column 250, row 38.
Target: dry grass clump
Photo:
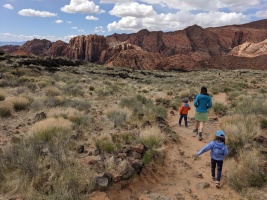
column 256, row 104
column 219, row 108
column 184, row 93
column 44, row 169
column 53, row 101
column 143, row 108
column 151, row 137
column 19, row 103
column 255, row 194
column 52, row 91
column 45, row 129
column 2, row 95
column 240, row 130
column 6, row 109
column 119, row 116
column 105, row 143
column 246, row 171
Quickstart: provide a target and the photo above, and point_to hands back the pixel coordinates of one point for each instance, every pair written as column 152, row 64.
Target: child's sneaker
column 213, row 178
column 217, row 184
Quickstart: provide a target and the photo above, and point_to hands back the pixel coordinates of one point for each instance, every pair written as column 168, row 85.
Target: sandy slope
column 180, row 176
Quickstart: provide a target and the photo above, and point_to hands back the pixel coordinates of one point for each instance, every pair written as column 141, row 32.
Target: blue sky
column 22, row 20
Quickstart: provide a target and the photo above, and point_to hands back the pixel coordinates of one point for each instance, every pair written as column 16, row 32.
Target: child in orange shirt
column 183, row 112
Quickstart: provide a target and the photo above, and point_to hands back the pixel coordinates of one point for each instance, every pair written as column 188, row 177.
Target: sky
column 23, row 20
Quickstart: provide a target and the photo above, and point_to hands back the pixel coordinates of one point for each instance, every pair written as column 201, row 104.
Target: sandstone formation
column 135, row 59
column 9, row 48
column 58, row 49
column 86, row 47
column 249, row 49
column 191, row 48
column 36, row 46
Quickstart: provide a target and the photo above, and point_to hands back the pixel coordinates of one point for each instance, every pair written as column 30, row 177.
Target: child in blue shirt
column 217, row 153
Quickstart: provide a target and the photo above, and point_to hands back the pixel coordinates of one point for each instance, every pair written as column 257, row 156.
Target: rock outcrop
column 86, row 47
column 58, row 49
column 249, row 49
column 36, row 46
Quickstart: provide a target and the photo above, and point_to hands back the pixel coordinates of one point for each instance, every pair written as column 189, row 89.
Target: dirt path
column 180, row 176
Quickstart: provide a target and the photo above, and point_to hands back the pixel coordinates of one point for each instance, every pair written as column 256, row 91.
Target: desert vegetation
column 63, row 127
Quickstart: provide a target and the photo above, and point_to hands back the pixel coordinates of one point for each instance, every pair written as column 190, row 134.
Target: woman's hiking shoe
column 217, row 184
column 200, row 136
column 213, row 178
column 195, row 131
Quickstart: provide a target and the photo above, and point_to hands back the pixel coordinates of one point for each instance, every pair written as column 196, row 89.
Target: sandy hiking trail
column 179, row 177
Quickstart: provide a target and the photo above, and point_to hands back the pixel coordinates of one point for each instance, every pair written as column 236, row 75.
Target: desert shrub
column 255, row 193
column 105, row 143
column 80, row 121
column 19, row 103
column 6, row 109
column 45, row 130
column 91, row 88
column 118, row 116
column 164, row 102
column 52, row 91
column 239, row 130
column 214, row 90
column 151, row 137
column 219, row 108
column 143, row 107
column 252, row 105
column 2, row 96
column 246, row 172
column 128, row 138
column 263, row 123
column 74, row 90
column 53, row 101
column 82, row 105
column 184, row 94
column 23, row 166
column 170, row 93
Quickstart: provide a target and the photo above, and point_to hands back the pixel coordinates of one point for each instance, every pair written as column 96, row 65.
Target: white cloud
column 81, row 6
column 74, row 27
column 177, row 21
column 99, row 29
column 132, row 9
column 81, row 30
column 8, row 6
column 8, row 37
column 68, row 37
column 35, row 13
column 261, row 14
column 204, row 5
column 93, row 18
column 115, row 1
column 58, row 21
column 69, row 22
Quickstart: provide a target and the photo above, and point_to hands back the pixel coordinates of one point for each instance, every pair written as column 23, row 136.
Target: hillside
column 179, row 50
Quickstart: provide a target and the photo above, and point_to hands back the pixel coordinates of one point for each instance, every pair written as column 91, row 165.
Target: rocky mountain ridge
column 191, row 48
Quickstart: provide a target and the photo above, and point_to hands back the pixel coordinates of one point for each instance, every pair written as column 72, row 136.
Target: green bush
column 219, row 108
column 105, row 144
column 118, row 117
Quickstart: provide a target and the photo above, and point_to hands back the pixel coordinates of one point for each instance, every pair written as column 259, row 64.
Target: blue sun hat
column 185, row 100
column 220, row 133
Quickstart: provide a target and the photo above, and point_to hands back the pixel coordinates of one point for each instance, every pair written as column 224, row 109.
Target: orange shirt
column 184, row 110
